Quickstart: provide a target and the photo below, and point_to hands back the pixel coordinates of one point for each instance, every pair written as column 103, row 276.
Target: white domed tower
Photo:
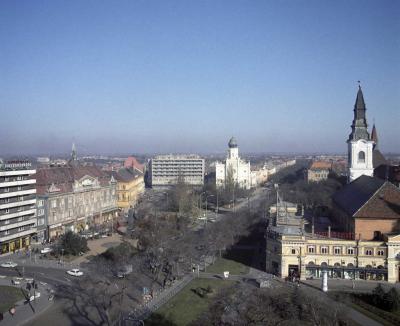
column 233, row 151
column 360, row 144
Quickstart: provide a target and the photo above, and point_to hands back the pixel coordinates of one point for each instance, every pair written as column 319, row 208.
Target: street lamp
column 62, row 256
column 206, row 205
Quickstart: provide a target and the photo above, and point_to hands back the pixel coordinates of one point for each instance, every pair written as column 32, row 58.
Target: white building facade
column 17, row 205
column 167, row 170
column 234, row 168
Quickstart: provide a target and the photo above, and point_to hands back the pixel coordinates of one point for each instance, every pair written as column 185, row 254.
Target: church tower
column 233, row 152
column 360, row 144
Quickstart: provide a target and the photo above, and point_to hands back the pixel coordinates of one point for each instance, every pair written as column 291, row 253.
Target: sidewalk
column 25, row 311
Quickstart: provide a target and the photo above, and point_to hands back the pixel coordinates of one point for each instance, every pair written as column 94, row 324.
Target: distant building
column 388, row 172
column 132, row 162
column 130, row 185
column 234, row 169
column 319, row 171
column 167, row 170
column 17, row 205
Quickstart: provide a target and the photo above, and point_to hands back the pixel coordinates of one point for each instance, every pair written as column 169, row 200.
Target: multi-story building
column 130, row 185
column 234, row 169
column 319, row 171
column 17, row 205
column 75, row 198
column 167, row 170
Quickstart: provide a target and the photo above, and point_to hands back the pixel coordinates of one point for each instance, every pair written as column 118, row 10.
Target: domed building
column 233, row 168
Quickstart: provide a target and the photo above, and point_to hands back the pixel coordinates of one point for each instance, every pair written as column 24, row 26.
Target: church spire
column 359, row 126
column 73, row 153
column 374, row 136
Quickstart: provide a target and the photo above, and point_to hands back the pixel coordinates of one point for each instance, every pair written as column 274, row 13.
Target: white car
column 46, row 250
column 9, row 264
column 75, row 272
column 37, row 295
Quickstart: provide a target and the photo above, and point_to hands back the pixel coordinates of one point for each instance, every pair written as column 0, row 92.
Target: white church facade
column 361, row 146
column 234, row 168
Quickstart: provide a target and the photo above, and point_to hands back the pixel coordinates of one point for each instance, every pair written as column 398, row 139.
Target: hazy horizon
column 173, row 76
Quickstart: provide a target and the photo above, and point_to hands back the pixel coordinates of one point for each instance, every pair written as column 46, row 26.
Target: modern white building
column 234, row 168
column 17, row 205
column 166, row 170
column 360, row 144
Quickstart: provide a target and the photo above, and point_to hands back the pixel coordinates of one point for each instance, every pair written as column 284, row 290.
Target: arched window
column 361, row 157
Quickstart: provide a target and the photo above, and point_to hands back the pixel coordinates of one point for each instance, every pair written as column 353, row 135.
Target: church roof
column 359, row 126
column 355, row 194
column 232, row 143
column 374, row 135
column 377, row 158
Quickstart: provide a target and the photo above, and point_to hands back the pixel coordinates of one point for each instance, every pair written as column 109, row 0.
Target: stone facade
column 76, row 198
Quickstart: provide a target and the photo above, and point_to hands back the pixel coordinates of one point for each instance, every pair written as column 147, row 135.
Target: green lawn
column 9, row 295
column 236, row 262
column 186, row 306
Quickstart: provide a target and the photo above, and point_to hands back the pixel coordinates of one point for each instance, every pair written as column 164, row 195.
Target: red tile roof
column 64, row 177
column 132, row 162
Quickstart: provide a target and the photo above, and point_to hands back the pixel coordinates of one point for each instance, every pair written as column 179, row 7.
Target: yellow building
column 130, row 186
column 292, row 252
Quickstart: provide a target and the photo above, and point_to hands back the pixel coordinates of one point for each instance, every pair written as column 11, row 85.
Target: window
column 21, row 198
column 337, row 250
column 19, row 178
column 40, row 203
column 368, row 252
column 6, row 179
column 19, row 188
column 361, row 157
column 7, row 210
column 41, row 211
column 6, row 189
column 380, row 252
column 7, row 222
column 6, row 232
column 54, row 204
column 311, row 249
column 20, row 219
column 350, row 251
column 293, row 251
column 21, row 228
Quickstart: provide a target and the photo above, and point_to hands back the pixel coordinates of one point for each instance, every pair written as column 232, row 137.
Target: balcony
column 17, row 214
column 17, row 235
column 18, row 203
column 17, row 183
column 17, row 225
column 17, row 193
column 16, row 172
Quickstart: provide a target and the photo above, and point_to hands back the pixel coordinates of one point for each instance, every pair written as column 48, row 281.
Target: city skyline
column 161, row 77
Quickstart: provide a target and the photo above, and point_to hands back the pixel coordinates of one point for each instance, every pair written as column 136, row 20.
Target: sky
column 185, row 76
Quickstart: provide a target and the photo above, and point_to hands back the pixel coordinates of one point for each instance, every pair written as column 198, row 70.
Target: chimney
column 329, row 231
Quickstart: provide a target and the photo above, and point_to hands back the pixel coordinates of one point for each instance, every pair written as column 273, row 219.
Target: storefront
column 347, row 272
column 16, row 244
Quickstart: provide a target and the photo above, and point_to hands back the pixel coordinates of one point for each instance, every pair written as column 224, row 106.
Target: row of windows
column 17, row 178
column 338, row 251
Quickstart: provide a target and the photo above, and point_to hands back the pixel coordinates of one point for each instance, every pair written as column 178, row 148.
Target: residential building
column 319, row 171
column 234, row 169
column 367, row 207
column 76, row 198
column 17, row 205
column 167, row 170
column 130, row 186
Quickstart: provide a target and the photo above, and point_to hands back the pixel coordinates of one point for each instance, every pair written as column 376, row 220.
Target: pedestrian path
column 25, row 310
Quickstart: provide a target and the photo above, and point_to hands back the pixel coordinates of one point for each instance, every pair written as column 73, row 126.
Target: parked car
column 46, row 250
column 75, row 272
column 33, row 297
column 9, row 264
column 15, row 282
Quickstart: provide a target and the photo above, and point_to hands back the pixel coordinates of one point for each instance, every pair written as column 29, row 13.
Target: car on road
column 46, row 250
column 9, row 264
column 75, row 272
column 15, row 282
column 33, row 297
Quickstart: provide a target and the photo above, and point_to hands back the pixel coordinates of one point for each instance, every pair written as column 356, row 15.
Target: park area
column 189, row 303
column 9, row 295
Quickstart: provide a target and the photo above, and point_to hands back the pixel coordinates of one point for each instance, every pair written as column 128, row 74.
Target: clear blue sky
column 184, row 76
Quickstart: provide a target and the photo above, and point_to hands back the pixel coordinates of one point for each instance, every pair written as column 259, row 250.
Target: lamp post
column 206, row 205
column 62, row 256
